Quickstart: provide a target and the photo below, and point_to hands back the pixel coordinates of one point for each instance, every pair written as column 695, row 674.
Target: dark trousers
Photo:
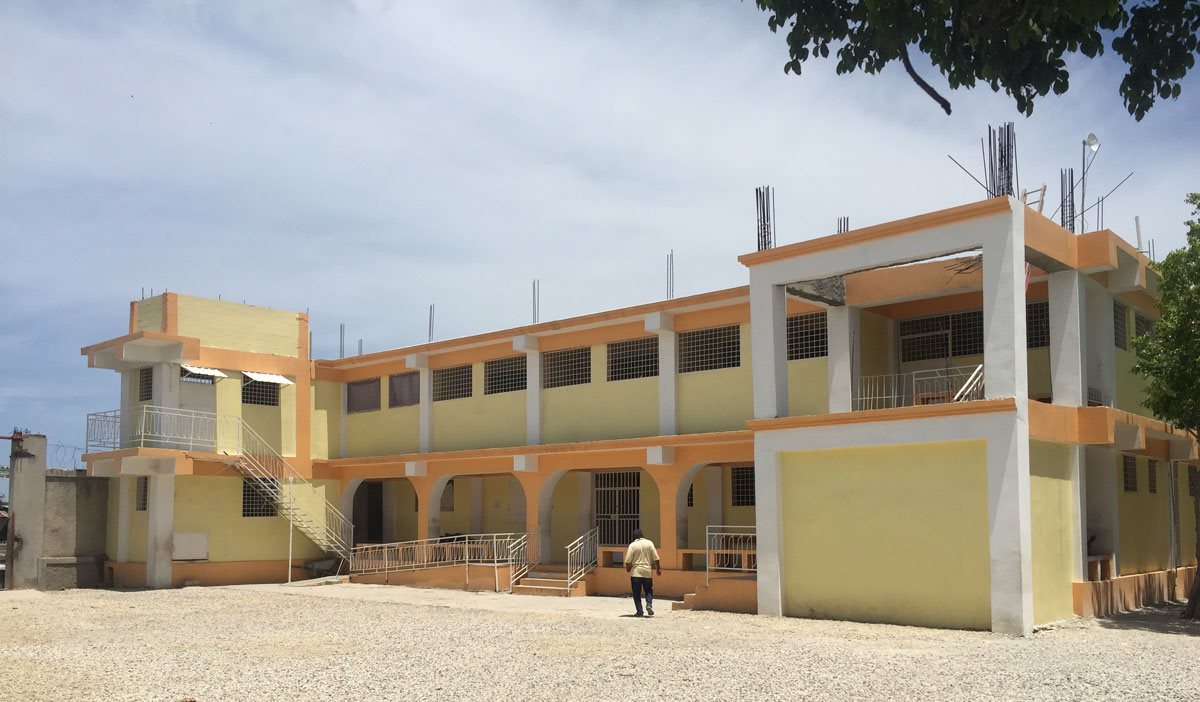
column 639, row 586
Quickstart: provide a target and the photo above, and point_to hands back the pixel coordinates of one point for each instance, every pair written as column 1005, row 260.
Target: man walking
column 641, row 559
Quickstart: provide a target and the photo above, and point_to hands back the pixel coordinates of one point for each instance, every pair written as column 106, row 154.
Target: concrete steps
column 549, row 583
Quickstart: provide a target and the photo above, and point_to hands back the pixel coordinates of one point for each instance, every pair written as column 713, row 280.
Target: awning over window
column 267, row 378
column 199, row 370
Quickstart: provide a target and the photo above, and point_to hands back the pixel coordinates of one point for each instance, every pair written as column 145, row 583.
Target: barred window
column 404, row 390
column 1142, row 325
column 504, row 375
column 966, row 333
column 448, row 496
column 942, row 336
column 691, row 500
column 1120, row 325
column 1037, row 325
column 452, row 383
column 924, row 347
column 257, row 392
column 742, row 486
column 567, row 367
column 186, row 376
column 145, row 384
column 710, row 349
column 807, row 336
column 362, row 396
column 1129, row 468
column 141, row 499
column 1152, row 477
column 257, row 497
column 636, row 358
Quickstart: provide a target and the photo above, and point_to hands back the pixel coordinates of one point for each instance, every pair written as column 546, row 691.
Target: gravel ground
column 368, row 642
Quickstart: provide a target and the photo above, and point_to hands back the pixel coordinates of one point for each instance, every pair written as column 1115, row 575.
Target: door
column 617, row 506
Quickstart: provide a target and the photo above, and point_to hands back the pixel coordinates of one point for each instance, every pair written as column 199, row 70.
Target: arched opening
column 713, row 495
column 616, row 501
column 476, row 504
column 384, row 511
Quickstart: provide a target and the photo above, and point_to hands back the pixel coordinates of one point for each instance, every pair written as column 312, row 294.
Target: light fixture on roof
column 1090, row 142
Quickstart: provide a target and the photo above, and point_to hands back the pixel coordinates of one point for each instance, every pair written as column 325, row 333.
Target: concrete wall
column 230, row 325
column 1054, row 524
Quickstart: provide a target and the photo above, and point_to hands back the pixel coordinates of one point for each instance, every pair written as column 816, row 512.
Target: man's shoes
column 649, row 611
column 637, row 614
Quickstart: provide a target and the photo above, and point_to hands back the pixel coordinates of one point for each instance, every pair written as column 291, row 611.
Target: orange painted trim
column 716, row 317
column 899, row 227
column 948, row 409
column 133, row 573
column 1048, row 238
column 190, row 343
column 170, row 315
column 1095, row 426
column 596, row 336
column 477, row 354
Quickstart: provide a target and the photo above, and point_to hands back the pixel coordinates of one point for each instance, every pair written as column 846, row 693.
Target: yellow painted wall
column 1130, row 388
column 229, row 403
column 230, row 325
column 600, row 409
column 386, row 431
column 149, row 314
column 267, row 422
column 1054, row 523
column 457, row 520
column 479, row 421
column 403, row 510
column 875, row 344
column 717, row 400
column 697, row 514
column 564, row 515
column 650, row 510
column 214, row 505
column 1038, row 373
column 808, row 386
column 888, row 534
column 1187, row 520
column 503, row 505
column 1145, row 519
column 326, row 427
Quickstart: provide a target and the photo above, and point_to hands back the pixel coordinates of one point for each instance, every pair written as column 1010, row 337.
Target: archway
column 383, row 511
column 617, row 500
column 476, row 504
column 713, row 495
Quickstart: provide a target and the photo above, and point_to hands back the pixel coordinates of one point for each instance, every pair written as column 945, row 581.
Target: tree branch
column 912, row 73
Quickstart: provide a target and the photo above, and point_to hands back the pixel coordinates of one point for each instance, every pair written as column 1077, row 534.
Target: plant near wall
column 1169, row 357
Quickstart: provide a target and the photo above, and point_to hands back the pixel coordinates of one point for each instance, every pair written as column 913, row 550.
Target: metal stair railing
column 973, row 388
column 582, row 556
column 519, row 561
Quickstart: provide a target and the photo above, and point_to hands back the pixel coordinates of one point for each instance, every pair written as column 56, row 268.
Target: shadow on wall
column 1159, row 619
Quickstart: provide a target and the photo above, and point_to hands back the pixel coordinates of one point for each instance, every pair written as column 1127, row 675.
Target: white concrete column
column 160, row 530
column 768, row 347
column 27, row 503
column 843, row 324
column 342, row 423
column 533, row 387
column 768, row 516
column 1068, row 373
column 663, row 324
column 1010, row 538
column 425, row 410
column 166, row 385
column 475, row 486
column 128, row 400
column 125, row 486
column 1005, row 358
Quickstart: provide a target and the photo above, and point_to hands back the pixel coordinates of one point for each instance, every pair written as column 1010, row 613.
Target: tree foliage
column 1018, row 46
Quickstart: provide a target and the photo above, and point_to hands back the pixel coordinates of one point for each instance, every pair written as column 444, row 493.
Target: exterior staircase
column 549, row 581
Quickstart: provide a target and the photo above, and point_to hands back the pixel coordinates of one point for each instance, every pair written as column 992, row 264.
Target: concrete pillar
column 768, row 347
column 166, row 385
column 160, row 530
column 474, row 486
column 843, row 357
column 1068, row 372
column 668, row 485
column 662, row 324
column 533, row 387
column 1005, row 357
column 27, row 504
column 1101, row 356
column 128, row 400
column 768, row 515
column 126, row 486
column 420, row 361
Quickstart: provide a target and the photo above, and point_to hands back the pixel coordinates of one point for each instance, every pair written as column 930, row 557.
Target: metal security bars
column 258, row 392
column 452, row 383
column 404, row 390
column 924, row 387
column 1120, row 326
column 1129, row 473
column 141, row 501
column 362, row 396
column 504, row 375
column 145, row 384
column 617, row 498
column 807, row 336
column 942, row 336
column 741, row 486
column 567, row 367
column 730, row 548
column 1037, row 325
column 1142, row 325
column 710, row 349
column 187, row 376
column 256, row 498
column 635, row 358
column 447, row 503
column 1152, row 476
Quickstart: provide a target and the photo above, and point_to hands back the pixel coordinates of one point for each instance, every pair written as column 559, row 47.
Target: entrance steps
column 548, row 581
column 726, row 594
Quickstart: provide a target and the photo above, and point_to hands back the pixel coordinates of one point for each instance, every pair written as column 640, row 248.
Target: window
column 257, row 497
column 710, row 349
column 404, row 390
column 1142, row 325
column 187, row 376
column 259, row 392
column 1037, row 325
column 1152, row 477
column 742, row 486
column 1129, row 466
column 448, row 496
column 141, row 498
column 567, row 367
column 362, row 396
column 452, row 383
column 691, row 501
column 636, row 358
column 145, row 384
column 966, row 333
column 504, row 375
column 924, row 339
column 1120, row 325
column 807, row 336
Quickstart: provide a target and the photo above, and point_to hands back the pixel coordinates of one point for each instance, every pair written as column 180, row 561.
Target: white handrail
column 582, row 556
column 973, row 388
column 730, row 548
column 421, row 554
column 953, row 384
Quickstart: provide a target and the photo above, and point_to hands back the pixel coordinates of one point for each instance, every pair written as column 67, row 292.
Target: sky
column 363, row 160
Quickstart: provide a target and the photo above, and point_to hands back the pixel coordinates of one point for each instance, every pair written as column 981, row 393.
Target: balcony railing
column 924, row 387
column 148, row 426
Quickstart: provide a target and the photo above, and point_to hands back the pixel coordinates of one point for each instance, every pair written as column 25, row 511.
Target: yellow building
column 929, row 421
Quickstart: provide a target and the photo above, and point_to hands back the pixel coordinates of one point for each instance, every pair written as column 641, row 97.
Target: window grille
column 942, row 336
column 504, row 375
column 617, row 505
column 1152, row 477
column 567, row 367
column 256, row 498
column 742, row 486
column 362, row 396
column 636, row 358
column 710, row 349
column 404, row 390
column 452, row 383
column 186, row 376
column 257, row 392
column 145, row 384
column 142, row 497
column 966, row 333
column 691, row 502
column 1037, row 325
column 1120, row 326
column 448, row 496
column 1129, row 467
column 1142, row 325
column 807, row 336
column 924, row 347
